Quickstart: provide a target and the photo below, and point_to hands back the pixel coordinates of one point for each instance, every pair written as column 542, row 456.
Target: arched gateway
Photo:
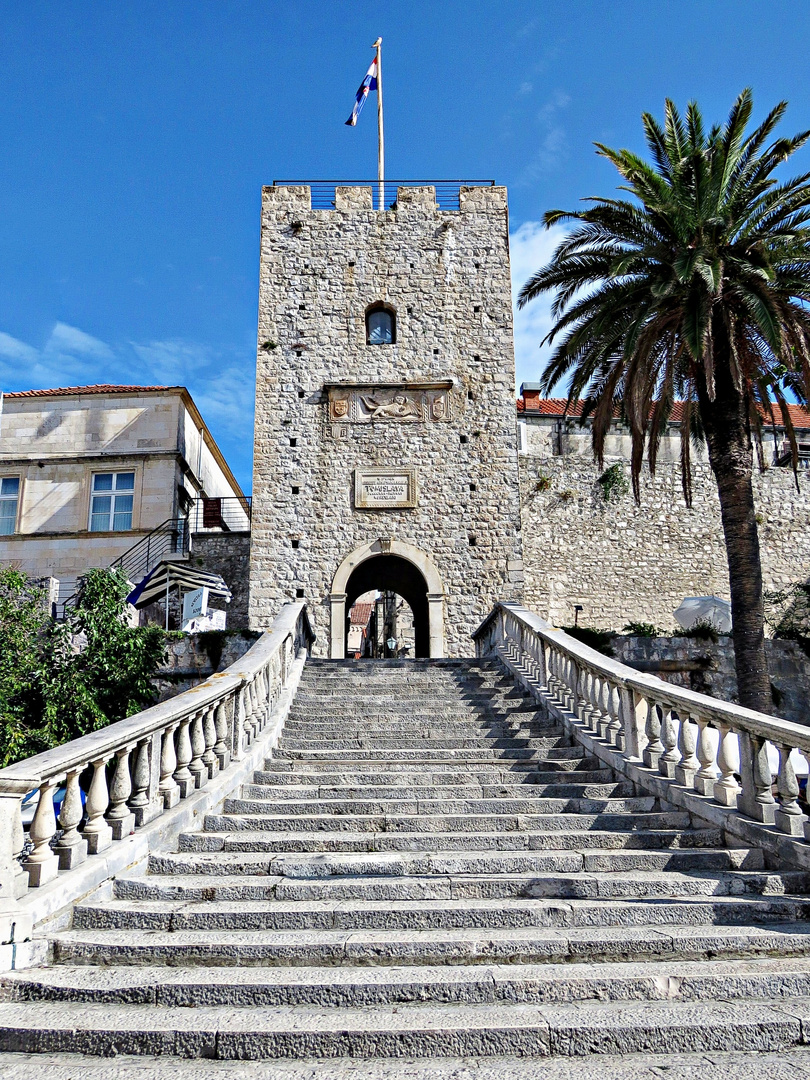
column 402, row 568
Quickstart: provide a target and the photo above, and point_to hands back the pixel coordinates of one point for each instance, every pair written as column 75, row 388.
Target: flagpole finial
column 377, row 43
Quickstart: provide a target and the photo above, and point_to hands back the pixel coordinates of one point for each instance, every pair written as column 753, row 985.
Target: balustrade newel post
column 13, row 878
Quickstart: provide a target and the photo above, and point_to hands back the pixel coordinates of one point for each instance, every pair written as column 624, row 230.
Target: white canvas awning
column 168, row 574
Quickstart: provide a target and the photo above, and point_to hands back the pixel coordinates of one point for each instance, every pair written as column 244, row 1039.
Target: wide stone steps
column 427, row 868
column 437, row 1030
column 264, row 840
column 515, row 945
column 429, row 914
column 444, row 822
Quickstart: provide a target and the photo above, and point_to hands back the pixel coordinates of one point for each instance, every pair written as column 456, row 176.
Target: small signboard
column 195, row 603
column 214, row 620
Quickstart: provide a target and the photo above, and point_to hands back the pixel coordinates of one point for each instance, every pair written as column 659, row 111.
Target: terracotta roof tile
column 360, row 614
column 557, row 407
column 76, row 391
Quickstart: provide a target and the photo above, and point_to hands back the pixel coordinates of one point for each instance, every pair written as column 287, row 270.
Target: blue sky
column 135, row 138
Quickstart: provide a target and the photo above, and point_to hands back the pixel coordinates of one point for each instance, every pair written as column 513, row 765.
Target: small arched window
column 381, row 325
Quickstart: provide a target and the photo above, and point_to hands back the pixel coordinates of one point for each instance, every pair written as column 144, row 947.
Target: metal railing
column 711, row 757
column 169, row 538
column 323, row 191
column 220, row 514
column 156, row 759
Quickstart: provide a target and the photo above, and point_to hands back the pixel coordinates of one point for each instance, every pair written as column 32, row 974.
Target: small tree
column 62, row 680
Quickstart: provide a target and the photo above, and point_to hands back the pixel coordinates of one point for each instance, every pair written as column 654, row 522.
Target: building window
column 9, row 496
column 111, row 502
column 381, row 326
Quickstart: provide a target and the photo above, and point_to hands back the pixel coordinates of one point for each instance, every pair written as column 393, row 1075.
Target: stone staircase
column 427, row 868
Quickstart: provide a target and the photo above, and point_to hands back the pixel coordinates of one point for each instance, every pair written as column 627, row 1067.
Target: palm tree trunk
column 731, row 455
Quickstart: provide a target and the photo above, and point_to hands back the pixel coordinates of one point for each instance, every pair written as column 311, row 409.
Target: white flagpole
column 380, row 141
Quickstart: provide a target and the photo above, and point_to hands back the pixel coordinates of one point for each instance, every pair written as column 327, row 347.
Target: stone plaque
column 410, row 404
column 384, row 489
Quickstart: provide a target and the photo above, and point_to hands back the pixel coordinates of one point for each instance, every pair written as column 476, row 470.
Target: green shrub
column 614, row 482
column 601, row 640
column 702, row 629
column 642, row 629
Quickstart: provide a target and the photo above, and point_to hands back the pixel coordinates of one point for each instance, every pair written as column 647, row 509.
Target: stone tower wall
column 446, row 274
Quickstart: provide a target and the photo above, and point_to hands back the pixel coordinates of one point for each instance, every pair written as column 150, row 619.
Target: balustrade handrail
column 156, row 757
column 664, row 734
column 763, row 724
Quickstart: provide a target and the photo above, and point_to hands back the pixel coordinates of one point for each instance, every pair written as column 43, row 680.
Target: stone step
column 784, row 1064
column 565, row 788
column 427, row 743
column 430, row 755
column 435, row 824
column 433, row 914
column 555, row 866
column 237, row 886
column 451, row 778
column 255, row 802
column 435, row 766
column 433, row 1030
column 431, row 947
column 273, row 840
column 662, row 980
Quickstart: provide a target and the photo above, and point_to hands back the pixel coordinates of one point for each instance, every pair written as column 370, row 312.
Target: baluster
column 146, row 802
column 603, row 692
column 197, row 767
column 185, row 781
column 688, row 764
column 585, row 703
column 71, row 848
column 221, row 728
column 119, row 816
column 168, row 789
column 788, row 817
column 706, row 776
column 210, row 759
column 669, row 737
column 42, row 864
column 652, row 729
column 726, row 789
column 756, row 800
column 255, row 706
column 97, row 832
column 614, row 732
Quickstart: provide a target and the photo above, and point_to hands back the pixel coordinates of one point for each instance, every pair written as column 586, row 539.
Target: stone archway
column 401, row 567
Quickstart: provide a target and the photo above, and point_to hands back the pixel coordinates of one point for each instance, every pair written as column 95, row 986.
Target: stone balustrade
column 143, row 766
column 675, row 742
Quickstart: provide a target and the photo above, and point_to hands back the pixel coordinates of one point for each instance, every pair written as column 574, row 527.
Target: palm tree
column 692, row 289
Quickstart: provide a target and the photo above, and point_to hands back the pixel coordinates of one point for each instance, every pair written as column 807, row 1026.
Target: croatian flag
column 366, row 86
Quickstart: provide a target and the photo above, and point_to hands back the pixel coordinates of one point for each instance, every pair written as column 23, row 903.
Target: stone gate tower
column 385, row 438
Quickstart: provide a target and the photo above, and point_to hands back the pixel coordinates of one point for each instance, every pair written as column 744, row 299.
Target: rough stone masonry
column 372, row 456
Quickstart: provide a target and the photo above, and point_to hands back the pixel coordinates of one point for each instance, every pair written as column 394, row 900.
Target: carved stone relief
column 403, row 404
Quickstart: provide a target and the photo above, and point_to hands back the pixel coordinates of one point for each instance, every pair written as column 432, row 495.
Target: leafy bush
column 702, row 629
column 787, row 613
column 601, row 640
column 614, row 483
column 642, row 629
column 62, row 680
column 542, row 483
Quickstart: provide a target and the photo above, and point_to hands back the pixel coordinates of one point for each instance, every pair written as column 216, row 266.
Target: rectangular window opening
column 111, row 501
column 299, row 594
column 296, row 543
column 295, row 490
column 293, row 442
column 9, row 497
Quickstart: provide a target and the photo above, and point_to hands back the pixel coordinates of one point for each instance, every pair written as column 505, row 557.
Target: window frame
column 390, row 310
column 112, row 493
column 18, row 499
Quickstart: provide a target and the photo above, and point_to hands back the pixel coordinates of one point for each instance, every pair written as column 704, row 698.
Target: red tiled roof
column 75, row 391
column 557, row 407
column 360, row 614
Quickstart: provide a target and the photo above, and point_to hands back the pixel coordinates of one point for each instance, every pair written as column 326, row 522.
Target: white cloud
column 70, row 341
column 12, row 349
column 531, row 247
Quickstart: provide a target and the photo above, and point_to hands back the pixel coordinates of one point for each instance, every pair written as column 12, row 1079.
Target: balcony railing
column 220, row 514
column 323, row 191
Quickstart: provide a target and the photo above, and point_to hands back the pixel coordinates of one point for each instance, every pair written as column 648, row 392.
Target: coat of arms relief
column 425, row 403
